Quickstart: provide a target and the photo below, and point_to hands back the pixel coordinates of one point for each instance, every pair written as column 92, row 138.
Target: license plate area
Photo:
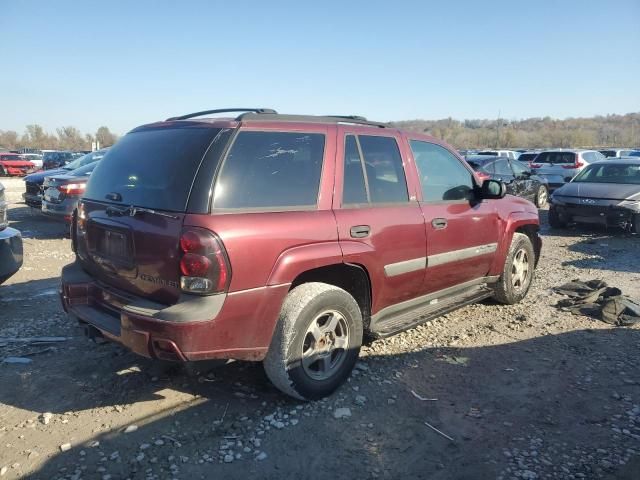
column 52, row 195
column 111, row 247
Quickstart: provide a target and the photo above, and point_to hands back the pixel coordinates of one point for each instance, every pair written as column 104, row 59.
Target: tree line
column 65, row 138
column 589, row 132
column 598, row 131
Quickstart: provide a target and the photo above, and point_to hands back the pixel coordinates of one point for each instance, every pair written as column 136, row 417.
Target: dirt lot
column 525, row 391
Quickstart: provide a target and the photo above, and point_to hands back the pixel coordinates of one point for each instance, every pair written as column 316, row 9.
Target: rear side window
column 556, row 157
column 375, row 177
column 442, row 176
column 152, row 168
column 499, row 167
column 271, row 170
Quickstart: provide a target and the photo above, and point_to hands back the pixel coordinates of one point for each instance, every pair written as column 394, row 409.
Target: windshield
column 85, row 160
column 610, row 173
column 527, row 157
column 85, row 170
column 152, row 168
column 11, row 158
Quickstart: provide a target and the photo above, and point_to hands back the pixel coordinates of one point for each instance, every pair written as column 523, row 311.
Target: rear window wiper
column 133, row 211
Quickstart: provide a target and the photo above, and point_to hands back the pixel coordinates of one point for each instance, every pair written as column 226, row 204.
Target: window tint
column 152, row 168
column 271, row 169
column 527, row 157
column 589, row 157
column 442, row 176
column 556, row 157
column 518, row 167
column 383, row 165
column 354, row 190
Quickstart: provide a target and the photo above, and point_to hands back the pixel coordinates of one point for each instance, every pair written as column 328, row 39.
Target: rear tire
column 635, row 227
column 316, row 341
column 555, row 221
column 542, row 197
column 517, row 274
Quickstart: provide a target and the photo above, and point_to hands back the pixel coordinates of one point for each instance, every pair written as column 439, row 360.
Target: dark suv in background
column 286, row 239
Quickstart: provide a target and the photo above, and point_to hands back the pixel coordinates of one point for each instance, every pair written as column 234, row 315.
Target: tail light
column 72, row 189
column 578, row 164
column 535, row 165
column 204, row 264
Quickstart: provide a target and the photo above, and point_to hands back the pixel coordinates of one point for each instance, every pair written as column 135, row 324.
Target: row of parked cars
column 598, row 187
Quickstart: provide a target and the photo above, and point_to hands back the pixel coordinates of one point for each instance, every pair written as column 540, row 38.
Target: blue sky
column 123, row 63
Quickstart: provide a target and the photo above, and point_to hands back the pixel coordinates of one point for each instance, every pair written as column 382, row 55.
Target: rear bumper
column 238, row 325
column 10, row 253
column 32, row 199
column 18, row 171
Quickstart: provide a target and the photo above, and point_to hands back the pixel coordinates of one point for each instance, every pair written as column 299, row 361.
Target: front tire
column 316, row 342
column 555, row 221
column 517, row 274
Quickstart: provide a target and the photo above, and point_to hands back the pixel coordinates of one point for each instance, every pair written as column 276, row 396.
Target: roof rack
column 222, row 110
column 354, row 119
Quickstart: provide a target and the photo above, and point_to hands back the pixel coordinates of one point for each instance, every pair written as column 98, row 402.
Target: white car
column 512, row 154
column 560, row 166
column 34, row 158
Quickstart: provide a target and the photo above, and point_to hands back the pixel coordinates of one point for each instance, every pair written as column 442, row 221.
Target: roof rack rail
column 311, row 118
column 222, row 110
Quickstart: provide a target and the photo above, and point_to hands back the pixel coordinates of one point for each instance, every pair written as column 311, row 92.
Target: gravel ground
column 486, row 392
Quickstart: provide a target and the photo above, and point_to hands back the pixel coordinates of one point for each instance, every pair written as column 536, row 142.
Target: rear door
column 380, row 224
column 501, row 170
column 151, row 169
column 462, row 233
column 526, row 186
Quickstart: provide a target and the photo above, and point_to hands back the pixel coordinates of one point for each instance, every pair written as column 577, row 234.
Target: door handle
column 360, row 231
column 439, row 223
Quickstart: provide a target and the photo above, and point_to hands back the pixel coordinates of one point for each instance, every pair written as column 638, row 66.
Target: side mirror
column 492, row 189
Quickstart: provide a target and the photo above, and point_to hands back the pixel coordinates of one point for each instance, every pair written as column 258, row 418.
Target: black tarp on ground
column 596, row 299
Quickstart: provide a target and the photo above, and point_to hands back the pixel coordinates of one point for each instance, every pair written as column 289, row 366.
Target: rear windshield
column 488, row 152
column 608, row 153
column 527, row 157
column 82, row 171
column 152, row 168
column 556, row 157
column 610, row 173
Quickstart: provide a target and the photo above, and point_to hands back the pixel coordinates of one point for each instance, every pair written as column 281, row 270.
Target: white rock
column 228, row 458
column 131, row 429
column 65, row 447
column 3, row 470
column 261, row 456
column 46, row 417
column 342, row 412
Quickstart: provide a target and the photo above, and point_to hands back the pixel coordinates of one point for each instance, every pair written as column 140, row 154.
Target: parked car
column 527, row 157
column 55, row 159
column 605, row 193
column 560, row 166
column 500, row 153
column 616, row 152
column 634, row 153
column 10, row 243
column 34, row 158
column 14, row 164
column 62, row 192
column 285, row 239
column 518, row 178
column 33, row 183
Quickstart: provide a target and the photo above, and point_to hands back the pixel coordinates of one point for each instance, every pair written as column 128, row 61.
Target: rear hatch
column 130, row 219
column 557, row 167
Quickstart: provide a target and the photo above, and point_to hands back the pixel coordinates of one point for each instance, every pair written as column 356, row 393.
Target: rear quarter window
column 271, row 170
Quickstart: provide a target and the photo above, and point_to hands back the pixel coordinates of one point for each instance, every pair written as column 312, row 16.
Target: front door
column 462, row 233
column 379, row 227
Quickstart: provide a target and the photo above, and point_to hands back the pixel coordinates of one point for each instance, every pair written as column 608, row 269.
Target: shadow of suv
column 285, row 239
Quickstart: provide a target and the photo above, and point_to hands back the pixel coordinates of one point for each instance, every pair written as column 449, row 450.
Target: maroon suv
column 286, row 239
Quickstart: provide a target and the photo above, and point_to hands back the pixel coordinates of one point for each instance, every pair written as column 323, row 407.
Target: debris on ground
column 16, row 360
column 596, row 299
